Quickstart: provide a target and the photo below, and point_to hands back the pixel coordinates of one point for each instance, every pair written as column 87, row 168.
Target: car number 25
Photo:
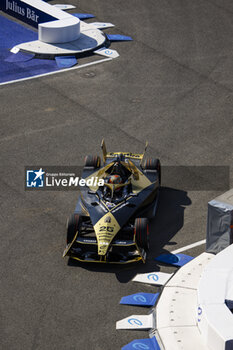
column 106, row 229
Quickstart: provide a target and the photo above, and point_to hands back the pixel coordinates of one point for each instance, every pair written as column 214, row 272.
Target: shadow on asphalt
column 168, row 221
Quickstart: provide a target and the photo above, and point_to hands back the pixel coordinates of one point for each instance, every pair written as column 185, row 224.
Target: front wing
column 120, row 251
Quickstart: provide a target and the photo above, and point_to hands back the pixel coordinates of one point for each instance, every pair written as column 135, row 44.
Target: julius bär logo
column 35, row 178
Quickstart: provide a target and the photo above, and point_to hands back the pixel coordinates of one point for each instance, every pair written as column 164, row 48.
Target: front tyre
column 73, row 225
column 141, row 232
column 153, row 164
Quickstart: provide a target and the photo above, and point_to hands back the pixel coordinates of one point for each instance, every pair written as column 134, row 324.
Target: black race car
column 110, row 221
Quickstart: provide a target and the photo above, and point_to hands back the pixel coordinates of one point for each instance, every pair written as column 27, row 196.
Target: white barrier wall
column 215, row 320
column 176, row 316
column 65, row 29
column 54, row 25
column 60, row 31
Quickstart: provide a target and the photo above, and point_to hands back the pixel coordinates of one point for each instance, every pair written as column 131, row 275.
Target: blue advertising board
column 24, row 12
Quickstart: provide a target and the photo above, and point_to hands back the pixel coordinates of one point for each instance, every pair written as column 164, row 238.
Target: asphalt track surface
column 172, row 86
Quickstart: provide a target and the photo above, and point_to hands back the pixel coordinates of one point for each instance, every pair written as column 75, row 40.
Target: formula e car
column 110, row 221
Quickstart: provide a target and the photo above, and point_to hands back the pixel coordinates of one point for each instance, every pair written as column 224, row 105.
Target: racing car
column 110, row 221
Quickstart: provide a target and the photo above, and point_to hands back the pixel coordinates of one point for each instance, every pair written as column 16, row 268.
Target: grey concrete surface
column 172, row 86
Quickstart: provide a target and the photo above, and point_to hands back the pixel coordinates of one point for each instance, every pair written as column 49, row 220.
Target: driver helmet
column 115, row 179
column 117, row 168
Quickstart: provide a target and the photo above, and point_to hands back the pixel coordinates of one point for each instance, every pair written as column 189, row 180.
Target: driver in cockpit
column 119, row 169
column 117, row 176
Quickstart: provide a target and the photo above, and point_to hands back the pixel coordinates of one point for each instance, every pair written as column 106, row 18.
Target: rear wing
column 103, row 146
column 126, row 154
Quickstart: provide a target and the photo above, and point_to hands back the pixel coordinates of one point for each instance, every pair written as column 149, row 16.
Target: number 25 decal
column 106, row 228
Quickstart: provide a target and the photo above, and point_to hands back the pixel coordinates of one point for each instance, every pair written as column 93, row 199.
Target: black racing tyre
column 141, row 231
column 92, row 161
column 153, row 164
column 73, row 225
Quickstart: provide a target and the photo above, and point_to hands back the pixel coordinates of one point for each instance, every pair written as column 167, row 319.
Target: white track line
column 193, row 245
column 58, row 71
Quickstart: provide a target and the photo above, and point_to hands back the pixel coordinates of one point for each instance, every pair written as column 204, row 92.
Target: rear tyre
column 92, row 161
column 141, row 232
column 153, row 164
column 73, row 225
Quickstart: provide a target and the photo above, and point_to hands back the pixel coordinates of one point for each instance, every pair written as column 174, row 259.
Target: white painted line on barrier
column 190, row 246
column 57, row 71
